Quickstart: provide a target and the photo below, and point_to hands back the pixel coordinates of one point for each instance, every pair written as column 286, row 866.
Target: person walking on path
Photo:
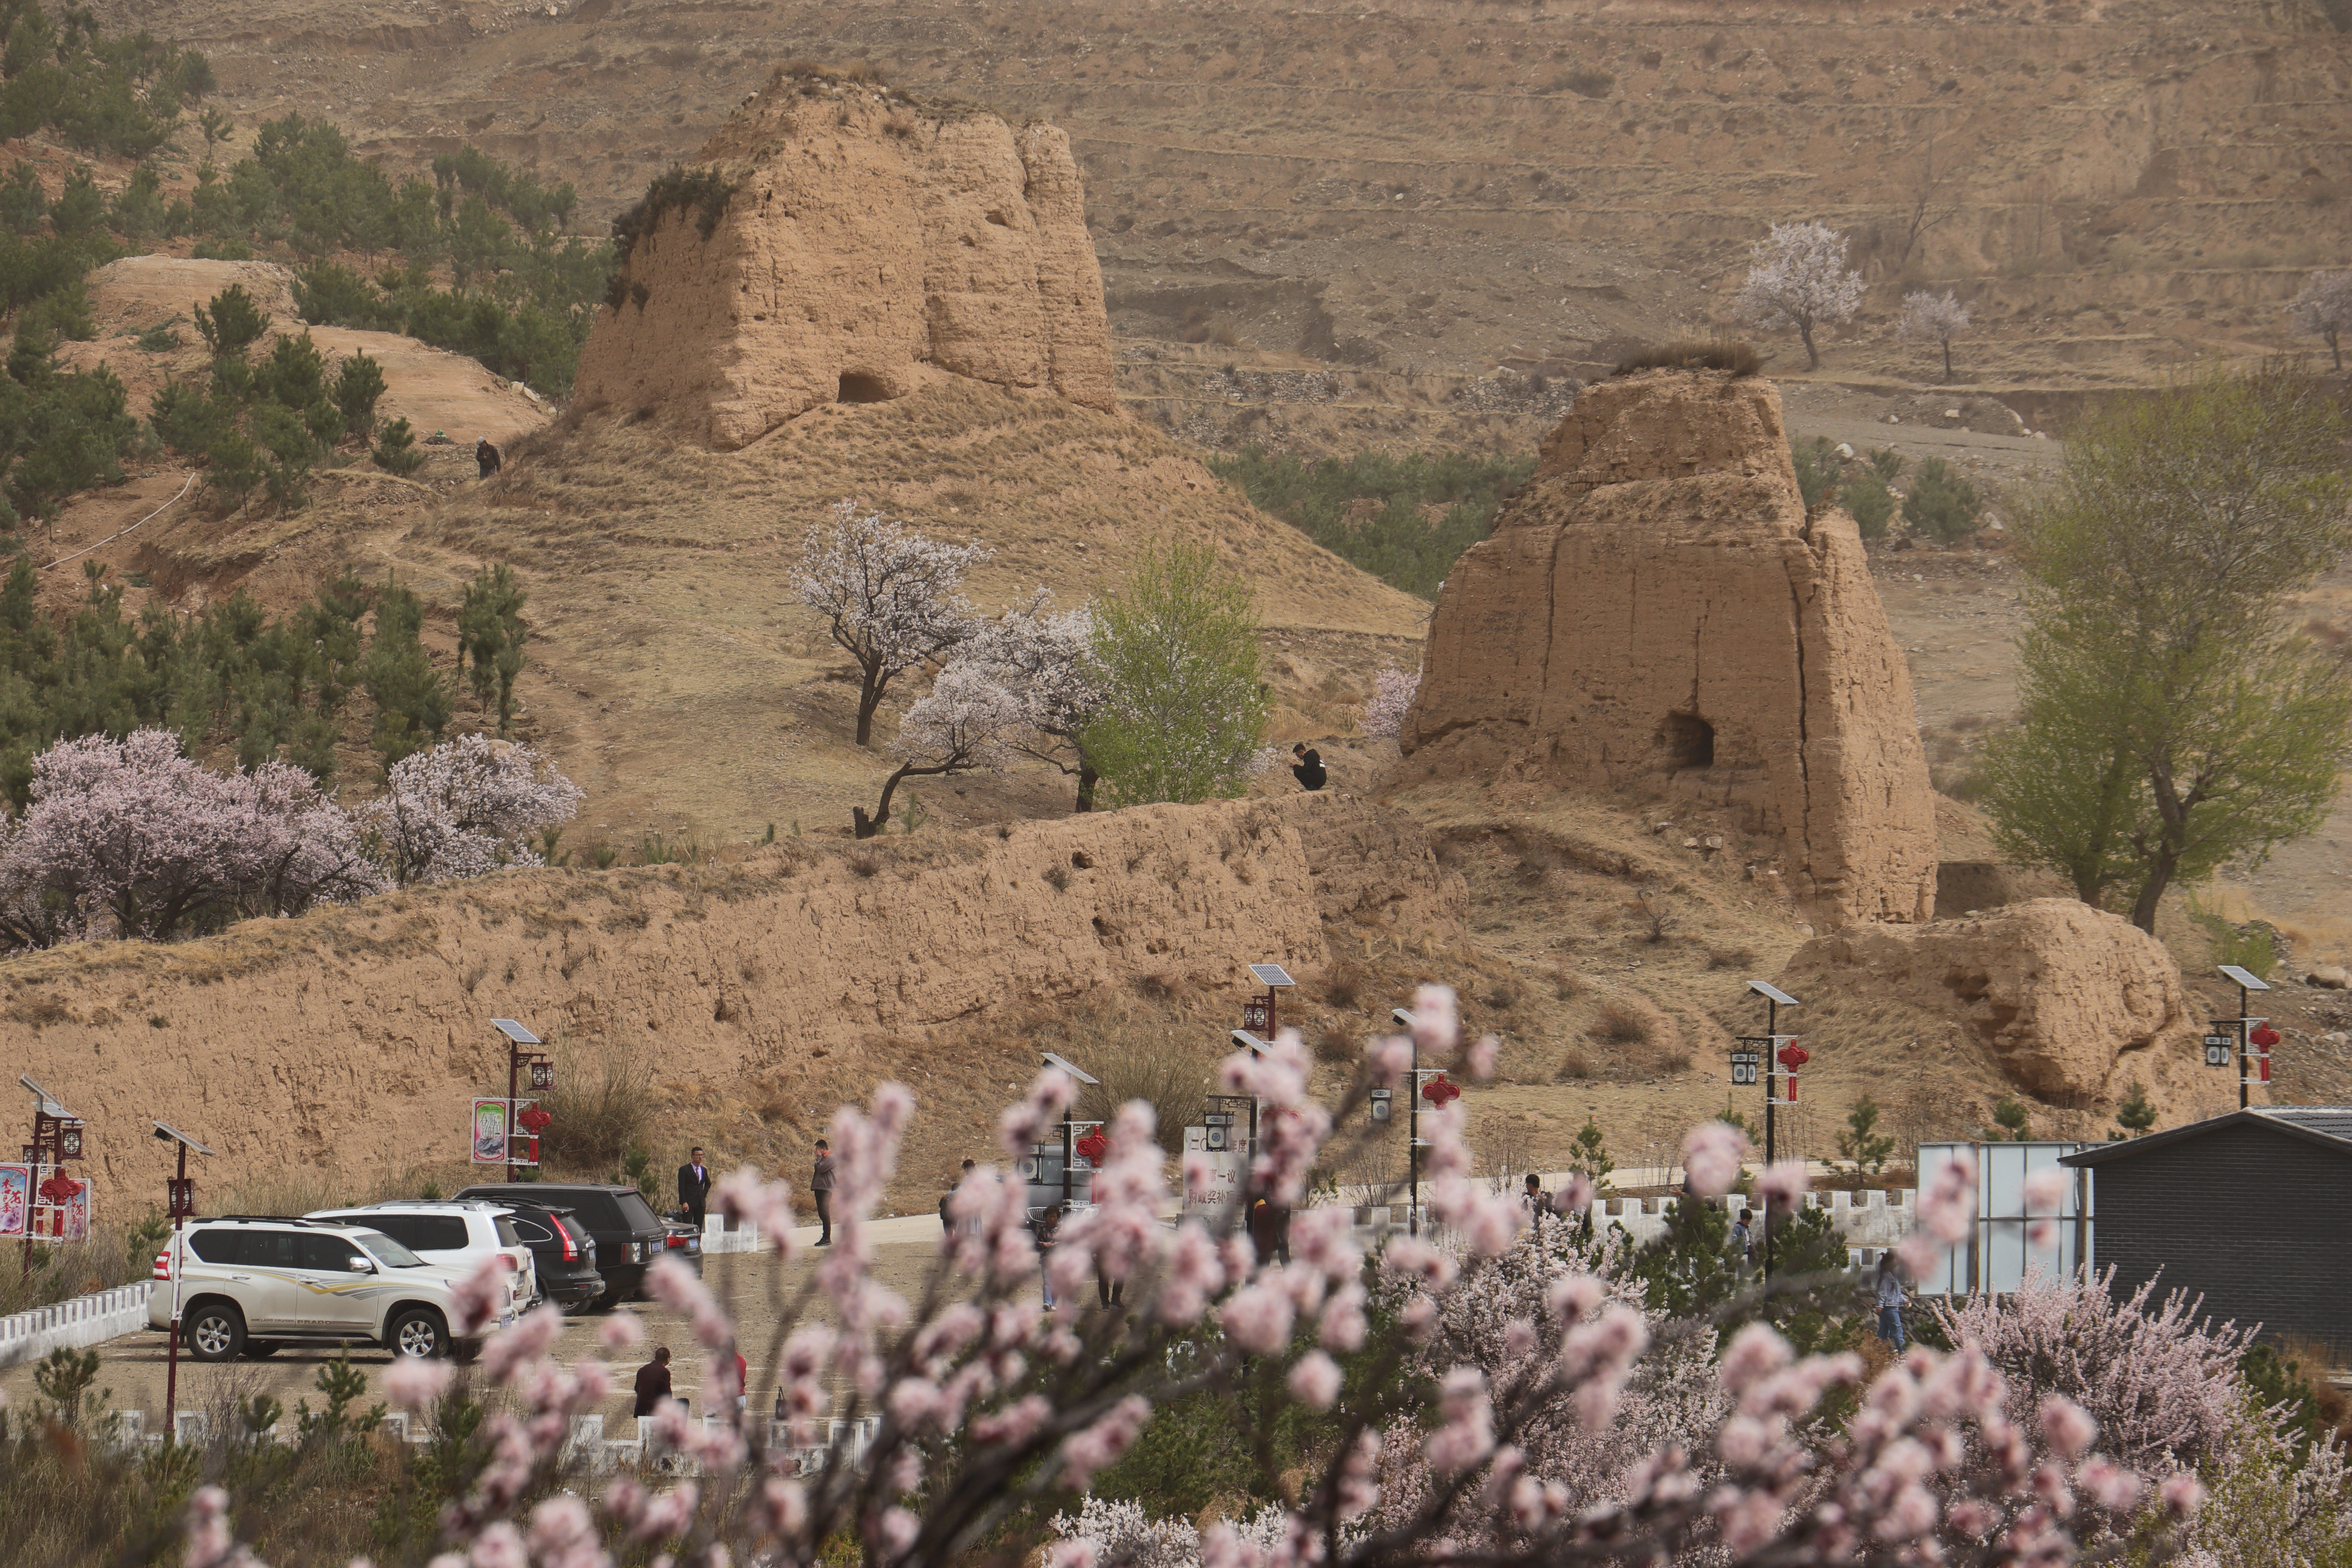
column 652, row 1382
column 694, row 1188
column 1049, row 1235
column 486, row 457
column 821, row 1189
column 1890, row 1301
column 1743, row 1243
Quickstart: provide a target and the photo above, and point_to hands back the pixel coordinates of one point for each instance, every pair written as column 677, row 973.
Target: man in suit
column 821, row 1189
column 694, row 1188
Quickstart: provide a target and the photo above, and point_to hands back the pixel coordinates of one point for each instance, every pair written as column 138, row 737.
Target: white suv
column 249, row 1283
column 455, row 1234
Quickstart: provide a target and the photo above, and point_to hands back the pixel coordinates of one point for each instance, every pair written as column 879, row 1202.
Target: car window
column 390, row 1253
column 635, row 1213
column 507, row 1236
column 332, row 1253
column 401, row 1227
column 272, row 1249
column 526, row 1231
column 219, row 1245
column 437, row 1233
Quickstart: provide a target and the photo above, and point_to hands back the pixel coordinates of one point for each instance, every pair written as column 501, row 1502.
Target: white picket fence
column 76, row 1324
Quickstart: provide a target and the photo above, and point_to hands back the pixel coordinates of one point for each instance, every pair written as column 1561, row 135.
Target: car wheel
column 418, row 1332
column 257, row 1348
column 214, row 1331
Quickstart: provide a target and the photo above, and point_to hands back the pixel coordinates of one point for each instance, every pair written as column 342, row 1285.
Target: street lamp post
column 2251, row 1032
column 57, row 1138
column 520, row 1057
column 1069, row 1127
column 1402, row 1018
column 182, row 1201
column 1744, row 1065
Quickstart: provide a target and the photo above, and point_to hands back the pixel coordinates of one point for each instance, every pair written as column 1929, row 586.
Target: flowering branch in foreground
column 1518, row 1406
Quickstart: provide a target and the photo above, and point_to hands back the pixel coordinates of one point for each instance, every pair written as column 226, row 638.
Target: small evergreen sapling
column 2135, row 1115
column 395, row 449
column 1942, row 504
column 1862, row 1145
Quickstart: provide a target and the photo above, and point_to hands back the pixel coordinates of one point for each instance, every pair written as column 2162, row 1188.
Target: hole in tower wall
column 1687, row 741
column 858, row 387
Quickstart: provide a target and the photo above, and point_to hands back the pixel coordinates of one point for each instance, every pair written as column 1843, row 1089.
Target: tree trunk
column 1812, row 354
column 2151, row 892
column 869, row 698
column 864, row 826
column 1947, row 361
column 1087, row 777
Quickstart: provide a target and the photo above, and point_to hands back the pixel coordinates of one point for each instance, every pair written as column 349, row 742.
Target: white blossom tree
column 967, row 721
column 1796, row 277
column 467, row 807
column 1047, row 662
column 2323, row 310
column 131, row 839
column 892, row 597
column 1932, row 318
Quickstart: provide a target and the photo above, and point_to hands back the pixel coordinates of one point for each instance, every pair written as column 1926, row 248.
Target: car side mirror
column 361, row 1265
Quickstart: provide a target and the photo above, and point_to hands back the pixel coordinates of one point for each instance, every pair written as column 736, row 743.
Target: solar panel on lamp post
column 517, row 1036
column 50, row 1123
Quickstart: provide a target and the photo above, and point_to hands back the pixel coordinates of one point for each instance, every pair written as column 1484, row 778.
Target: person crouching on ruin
column 1309, row 769
column 486, row 457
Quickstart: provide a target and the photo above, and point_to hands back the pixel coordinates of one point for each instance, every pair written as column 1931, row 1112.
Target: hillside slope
column 2114, row 185
column 673, row 672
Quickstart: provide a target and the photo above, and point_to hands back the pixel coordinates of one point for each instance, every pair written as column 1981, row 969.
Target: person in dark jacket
column 652, row 1382
column 821, row 1189
column 1309, row 769
column 694, row 1188
column 486, row 457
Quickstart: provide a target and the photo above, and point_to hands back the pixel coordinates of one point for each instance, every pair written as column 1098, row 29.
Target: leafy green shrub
column 233, row 323
column 1817, row 471
column 79, row 208
column 23, row 202
column 1178, row 647
column 1870, row 503
column 1941, row 504
column 1887, row 463
column 359, row 384
column 395, row 449
column 1370, row 509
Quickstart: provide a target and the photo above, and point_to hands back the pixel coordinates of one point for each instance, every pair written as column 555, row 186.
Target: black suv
column 562, row 1252
column 628, row 1235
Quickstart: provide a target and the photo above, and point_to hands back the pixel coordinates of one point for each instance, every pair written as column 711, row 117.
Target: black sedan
column 563, row 1252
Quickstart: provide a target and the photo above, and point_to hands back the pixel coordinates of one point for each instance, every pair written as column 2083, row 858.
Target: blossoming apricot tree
column 1537, row 1449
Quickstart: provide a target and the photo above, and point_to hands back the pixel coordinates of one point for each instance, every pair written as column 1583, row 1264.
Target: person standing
column 486, row 457
column 1890, row 1301
column 1538, row 1201
column 947, row 1221
column 1049, row 1235
column 821, row 1189
column 652, row 1382
column 1743, row 1243
column 694, row 1188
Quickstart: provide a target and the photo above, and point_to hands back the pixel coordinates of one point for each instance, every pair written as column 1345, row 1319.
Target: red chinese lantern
column 535, row 1121
column 1092, row 1146
column 1791, row 1057
column 2264, row 1036
column 1440, row 1093
column 60, row 1188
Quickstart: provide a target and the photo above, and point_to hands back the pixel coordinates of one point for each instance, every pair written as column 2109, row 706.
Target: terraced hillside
column 1444, row 189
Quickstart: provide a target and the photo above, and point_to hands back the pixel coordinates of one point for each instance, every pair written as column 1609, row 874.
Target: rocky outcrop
column 2059, row 993
column 346, row 1040
column 838, row 242
column 1655, row 614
